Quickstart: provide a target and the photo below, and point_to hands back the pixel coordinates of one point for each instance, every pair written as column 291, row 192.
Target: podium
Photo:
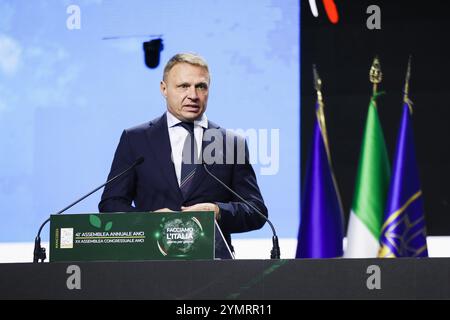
column 136, row 236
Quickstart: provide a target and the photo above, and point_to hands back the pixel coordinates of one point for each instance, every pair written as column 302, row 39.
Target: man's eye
column 184, row 86
column 202, row 86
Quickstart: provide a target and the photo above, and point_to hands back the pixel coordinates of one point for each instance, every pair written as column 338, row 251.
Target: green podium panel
column 132, row 236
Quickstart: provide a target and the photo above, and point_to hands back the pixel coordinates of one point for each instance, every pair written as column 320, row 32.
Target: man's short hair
column 191, row 58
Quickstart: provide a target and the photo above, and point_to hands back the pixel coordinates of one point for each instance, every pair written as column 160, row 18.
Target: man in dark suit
column 168, row 180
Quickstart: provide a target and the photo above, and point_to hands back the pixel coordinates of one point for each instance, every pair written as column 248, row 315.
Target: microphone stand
column 39, row 253
column 275, row 252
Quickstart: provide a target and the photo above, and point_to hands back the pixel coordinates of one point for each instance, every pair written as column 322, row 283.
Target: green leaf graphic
column 108, row 226
column 95, row 221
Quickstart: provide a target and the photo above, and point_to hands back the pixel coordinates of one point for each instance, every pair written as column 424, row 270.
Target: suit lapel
column 159, row 141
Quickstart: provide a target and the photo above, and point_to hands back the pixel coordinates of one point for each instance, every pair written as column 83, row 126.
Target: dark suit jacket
column 153, row 184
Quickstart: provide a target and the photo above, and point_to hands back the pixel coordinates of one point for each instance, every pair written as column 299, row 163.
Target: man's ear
column 163, row 88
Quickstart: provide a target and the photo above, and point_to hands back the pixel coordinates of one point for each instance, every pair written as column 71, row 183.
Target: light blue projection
column 66, row 95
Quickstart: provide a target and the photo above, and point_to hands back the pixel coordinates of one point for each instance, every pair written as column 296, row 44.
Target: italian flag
column 371, row 187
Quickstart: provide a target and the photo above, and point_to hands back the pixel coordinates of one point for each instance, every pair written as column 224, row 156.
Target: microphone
column 275, row 252
column 39, row 252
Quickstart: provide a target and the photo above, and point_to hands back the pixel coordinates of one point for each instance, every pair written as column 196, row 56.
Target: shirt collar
column 173, row 121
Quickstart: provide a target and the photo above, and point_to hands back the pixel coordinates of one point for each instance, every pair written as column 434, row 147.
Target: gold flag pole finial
column 406, row 89
column 320, row 110
column 375, row 74
column 317, row 84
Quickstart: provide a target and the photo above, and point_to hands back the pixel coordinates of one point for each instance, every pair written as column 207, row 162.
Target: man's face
column 186, row 91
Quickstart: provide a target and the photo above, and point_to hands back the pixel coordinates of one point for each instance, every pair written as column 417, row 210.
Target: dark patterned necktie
column 188, row 161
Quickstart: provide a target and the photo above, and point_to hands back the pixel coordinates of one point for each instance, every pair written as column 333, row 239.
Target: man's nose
column 192, row 93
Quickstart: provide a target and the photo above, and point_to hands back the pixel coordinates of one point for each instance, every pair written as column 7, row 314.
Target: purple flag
column 404, row 233
column 321, row 221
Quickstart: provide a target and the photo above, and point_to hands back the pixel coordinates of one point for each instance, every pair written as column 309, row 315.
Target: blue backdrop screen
column 66, row 94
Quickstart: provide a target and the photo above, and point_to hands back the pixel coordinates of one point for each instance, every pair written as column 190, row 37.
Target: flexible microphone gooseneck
column 39, row 252
column 275, row 252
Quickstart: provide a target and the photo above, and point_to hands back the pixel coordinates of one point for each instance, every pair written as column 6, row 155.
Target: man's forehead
column 188, row 70
column 189, row 73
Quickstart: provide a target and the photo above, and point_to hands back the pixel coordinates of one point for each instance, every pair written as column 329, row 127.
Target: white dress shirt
column 177, row 136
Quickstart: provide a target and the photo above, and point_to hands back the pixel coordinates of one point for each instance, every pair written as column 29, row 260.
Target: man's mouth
column 191, row 107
